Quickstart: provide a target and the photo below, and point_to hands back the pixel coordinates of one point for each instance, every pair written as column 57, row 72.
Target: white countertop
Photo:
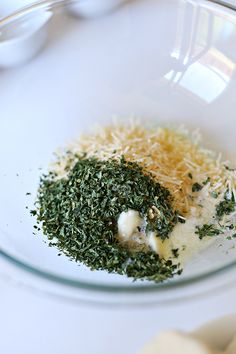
column 32, row 323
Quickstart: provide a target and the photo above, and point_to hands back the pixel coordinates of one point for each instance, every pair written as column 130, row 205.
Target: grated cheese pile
column 172, row 156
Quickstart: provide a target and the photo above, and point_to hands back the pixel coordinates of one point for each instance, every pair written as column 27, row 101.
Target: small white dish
column 20, row 43
column 94, row 8
column 8, row 7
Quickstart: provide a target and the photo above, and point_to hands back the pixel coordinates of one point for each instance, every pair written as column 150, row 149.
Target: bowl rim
column 52, row 4
column 170, row 284
column 49, row 5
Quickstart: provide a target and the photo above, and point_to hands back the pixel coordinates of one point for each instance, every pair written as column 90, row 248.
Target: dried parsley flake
column 196, row 187
column 226, row 206
column 209, row 230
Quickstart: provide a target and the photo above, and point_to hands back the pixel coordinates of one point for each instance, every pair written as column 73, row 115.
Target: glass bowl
column 158, row 60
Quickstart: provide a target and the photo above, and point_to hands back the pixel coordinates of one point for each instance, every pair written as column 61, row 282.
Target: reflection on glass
column 200, row 67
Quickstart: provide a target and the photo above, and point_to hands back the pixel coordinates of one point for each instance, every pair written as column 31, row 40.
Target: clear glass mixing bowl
column 161, row 60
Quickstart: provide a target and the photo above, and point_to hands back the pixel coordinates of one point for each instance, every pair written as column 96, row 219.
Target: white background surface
column 31, row 323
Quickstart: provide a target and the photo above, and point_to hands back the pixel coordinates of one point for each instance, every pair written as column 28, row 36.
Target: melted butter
column 183, row 236
column 131, row 230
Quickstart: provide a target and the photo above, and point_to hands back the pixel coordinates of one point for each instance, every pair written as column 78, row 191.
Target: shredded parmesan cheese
column 171, row 156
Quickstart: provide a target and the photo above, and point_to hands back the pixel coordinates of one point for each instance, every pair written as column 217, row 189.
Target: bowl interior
column 160, row 61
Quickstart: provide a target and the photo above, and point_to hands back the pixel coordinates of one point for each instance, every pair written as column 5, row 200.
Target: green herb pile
column 79, row 215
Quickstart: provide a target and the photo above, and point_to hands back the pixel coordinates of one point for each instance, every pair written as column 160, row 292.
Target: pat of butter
column 156, row 243
column 177, row 343
column 128, row 224
column 131, row 228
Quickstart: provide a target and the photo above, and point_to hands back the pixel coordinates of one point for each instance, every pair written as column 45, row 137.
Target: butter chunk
column 128, row 223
